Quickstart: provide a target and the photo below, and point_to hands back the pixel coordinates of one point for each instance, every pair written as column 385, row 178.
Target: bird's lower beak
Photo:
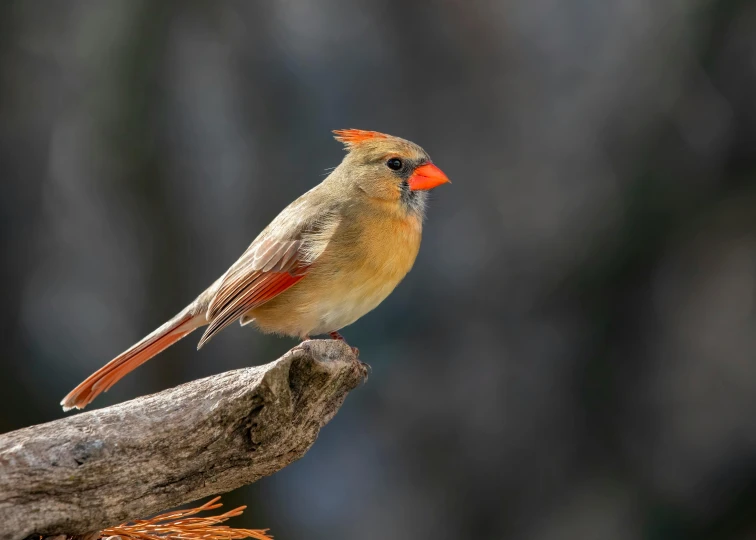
column 426, row 177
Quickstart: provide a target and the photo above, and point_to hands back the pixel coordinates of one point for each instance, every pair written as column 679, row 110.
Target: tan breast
column 365, row 260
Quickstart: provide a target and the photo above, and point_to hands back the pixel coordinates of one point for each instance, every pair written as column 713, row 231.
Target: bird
column 327, row 259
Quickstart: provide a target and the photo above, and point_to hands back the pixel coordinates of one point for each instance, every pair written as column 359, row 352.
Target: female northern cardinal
column 330, row 257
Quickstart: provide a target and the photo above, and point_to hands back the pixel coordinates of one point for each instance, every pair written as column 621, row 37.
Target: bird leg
column 336, row 335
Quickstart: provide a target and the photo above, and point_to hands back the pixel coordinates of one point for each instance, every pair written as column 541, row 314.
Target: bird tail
column 101, row 380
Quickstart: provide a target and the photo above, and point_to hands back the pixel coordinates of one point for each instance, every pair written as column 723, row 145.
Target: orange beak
column 427, row 177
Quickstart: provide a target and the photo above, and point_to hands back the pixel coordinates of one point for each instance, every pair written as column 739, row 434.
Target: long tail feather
column 101, row 380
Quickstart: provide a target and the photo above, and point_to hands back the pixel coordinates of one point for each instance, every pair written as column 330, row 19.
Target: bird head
column 388, row 169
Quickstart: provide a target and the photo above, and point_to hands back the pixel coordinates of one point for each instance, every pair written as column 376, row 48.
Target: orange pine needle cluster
column 179, row 525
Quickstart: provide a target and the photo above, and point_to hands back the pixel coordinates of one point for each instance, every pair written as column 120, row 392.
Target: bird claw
column 367, row 370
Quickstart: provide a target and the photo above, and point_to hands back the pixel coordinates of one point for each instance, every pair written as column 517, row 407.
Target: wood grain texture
column 103, row 467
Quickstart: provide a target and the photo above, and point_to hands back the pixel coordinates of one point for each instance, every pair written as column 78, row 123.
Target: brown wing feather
column 276, row 260
column 264, row 272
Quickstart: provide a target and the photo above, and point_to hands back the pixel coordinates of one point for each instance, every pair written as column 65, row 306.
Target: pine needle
column 178, row 525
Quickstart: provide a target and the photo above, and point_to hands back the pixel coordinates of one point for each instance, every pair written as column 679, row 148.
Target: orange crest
column 353, row 137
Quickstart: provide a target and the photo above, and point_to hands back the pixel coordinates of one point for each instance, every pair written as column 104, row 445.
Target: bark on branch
column 101, row 468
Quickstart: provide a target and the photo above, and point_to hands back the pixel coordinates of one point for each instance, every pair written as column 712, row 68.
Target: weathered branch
column 103, row 467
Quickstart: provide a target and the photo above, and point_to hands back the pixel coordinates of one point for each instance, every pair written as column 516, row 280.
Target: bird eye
column 394, row 164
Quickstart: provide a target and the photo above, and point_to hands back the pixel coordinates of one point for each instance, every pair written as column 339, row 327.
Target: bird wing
column 277, row 259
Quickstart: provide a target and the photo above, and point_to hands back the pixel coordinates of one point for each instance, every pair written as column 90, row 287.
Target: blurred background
column 574, row 353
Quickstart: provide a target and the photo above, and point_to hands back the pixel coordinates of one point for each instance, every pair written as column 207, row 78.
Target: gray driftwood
column 101, row 468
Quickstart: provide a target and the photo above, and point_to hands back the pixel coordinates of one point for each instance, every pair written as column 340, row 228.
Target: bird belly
column 339, row 289
column 351, row 300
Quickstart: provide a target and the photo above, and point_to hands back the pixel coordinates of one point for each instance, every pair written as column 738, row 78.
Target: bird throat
column 414, row 202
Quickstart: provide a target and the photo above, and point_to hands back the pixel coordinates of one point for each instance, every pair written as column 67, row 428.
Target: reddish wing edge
column 263, row 286
column 265, row 271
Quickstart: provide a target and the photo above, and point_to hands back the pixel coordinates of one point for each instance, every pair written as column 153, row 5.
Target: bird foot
column 336, row 335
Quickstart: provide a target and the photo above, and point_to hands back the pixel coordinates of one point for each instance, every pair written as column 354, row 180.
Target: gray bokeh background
column 573, row 355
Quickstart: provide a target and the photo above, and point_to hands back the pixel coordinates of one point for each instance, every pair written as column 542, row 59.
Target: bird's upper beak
column 427, row 177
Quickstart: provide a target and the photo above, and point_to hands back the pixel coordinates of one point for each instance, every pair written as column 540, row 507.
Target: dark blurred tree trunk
column 23, row 141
